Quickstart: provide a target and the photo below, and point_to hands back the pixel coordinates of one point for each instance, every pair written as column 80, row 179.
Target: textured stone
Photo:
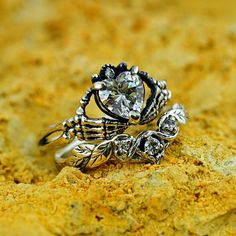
column 49, row 50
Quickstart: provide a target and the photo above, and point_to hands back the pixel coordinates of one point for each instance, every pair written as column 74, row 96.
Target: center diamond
column 123, row 94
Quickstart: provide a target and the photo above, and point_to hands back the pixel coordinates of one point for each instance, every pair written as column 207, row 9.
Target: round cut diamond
column 123, row 146
column 123, row 94
column 169, row 126
column 153, row 146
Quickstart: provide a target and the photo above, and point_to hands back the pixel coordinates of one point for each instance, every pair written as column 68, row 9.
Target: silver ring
column 119, row 92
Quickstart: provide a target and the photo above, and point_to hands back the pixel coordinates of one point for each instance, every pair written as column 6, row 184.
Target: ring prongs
column 99, row 85
column 134, row 69
column 134, row 117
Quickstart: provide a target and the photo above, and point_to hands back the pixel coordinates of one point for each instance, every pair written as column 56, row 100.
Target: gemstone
column 169, row 126
column 153, row 146
column 109, row 73
column 123, row 94
column 123, row 147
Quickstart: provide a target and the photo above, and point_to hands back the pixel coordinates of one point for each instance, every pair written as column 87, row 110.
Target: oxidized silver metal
column 148, row 146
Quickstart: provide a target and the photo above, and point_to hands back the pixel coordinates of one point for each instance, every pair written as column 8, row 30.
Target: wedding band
column 148, row 146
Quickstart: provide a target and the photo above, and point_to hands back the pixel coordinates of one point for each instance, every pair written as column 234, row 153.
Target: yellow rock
column 49, row 50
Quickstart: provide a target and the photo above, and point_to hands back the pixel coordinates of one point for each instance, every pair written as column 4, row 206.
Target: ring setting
column 119, row 92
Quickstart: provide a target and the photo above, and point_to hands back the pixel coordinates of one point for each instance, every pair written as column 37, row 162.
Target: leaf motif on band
column 179, row 113
column 100, row 154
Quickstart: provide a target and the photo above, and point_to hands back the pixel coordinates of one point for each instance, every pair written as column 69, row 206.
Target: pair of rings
column 121, row 94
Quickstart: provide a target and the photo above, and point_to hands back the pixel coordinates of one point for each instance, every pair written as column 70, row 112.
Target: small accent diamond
column 169, row 126
column 153, row 146
column 109, row 73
